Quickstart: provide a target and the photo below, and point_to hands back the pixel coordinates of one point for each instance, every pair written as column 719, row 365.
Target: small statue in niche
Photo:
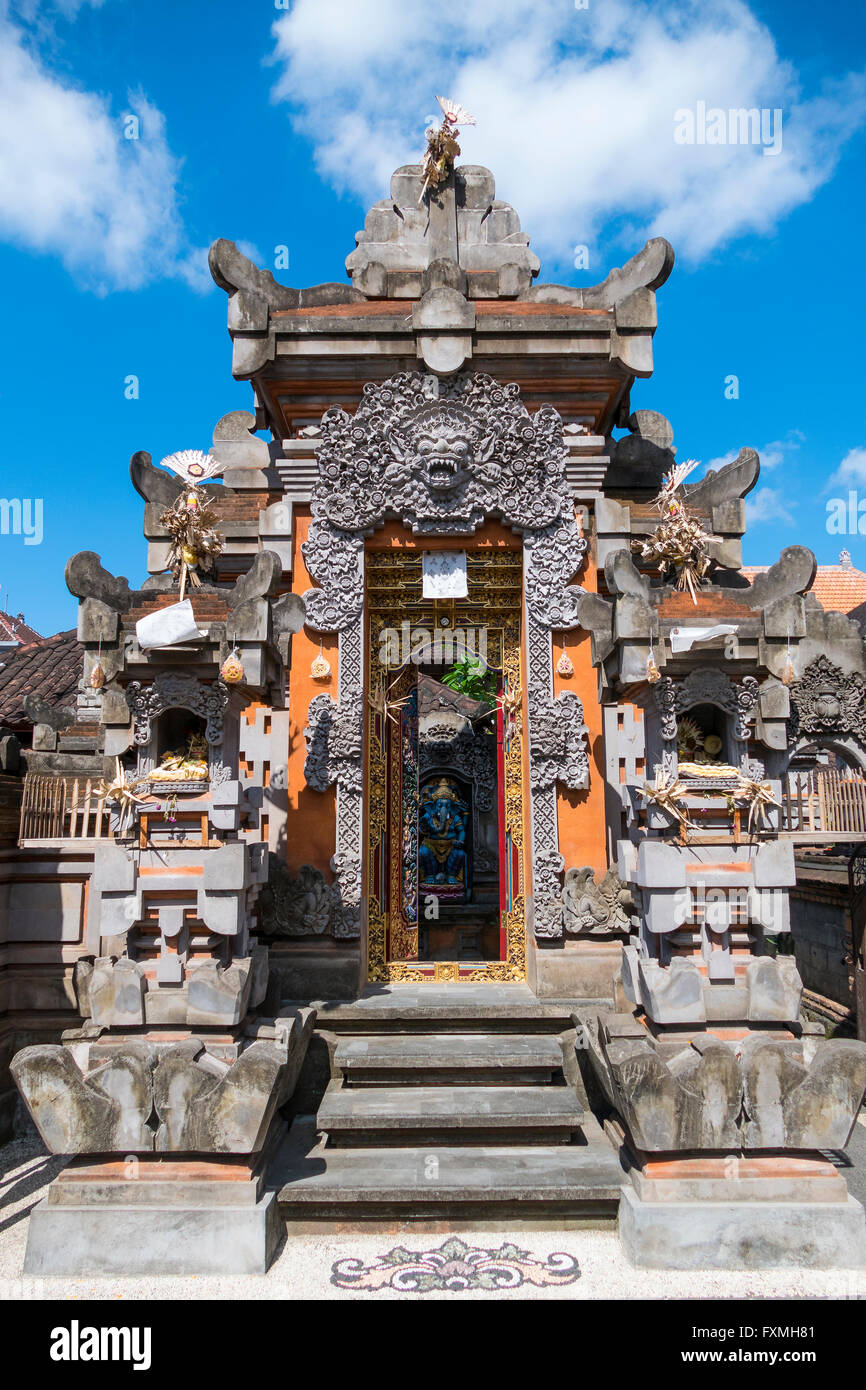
column 442, row 819
column 184, row 765
column 699, row 753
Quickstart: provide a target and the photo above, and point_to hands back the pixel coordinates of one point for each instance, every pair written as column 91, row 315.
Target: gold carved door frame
column 394, row 597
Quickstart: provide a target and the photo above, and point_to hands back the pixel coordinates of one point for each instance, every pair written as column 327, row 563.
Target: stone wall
column 821, row 930
column 41, row 938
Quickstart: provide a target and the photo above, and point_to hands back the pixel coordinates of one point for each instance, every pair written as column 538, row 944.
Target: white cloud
column 72, row 186
column 41, row 10
column 575, row 109
column 771, row 455
column 851, row 471
column 768, row 504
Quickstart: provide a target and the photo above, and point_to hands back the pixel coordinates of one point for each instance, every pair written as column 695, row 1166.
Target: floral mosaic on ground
column 455, row 1267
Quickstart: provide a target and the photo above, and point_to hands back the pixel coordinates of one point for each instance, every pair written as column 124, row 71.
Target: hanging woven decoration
column 678, row 547
column 191, row 522
column 653, row 673
column 789, row 673
column 96, row 679
column 565, row 665
column 690, row 740
column 321, row 667
column 232, row 669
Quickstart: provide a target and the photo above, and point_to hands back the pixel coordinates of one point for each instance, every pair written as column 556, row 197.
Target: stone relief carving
column 172, row 691
column 552, row 558
column 706, row 686
column 557, row 742
column 295, row 905
column 465, row 752
column 826, row 701
column 335, row 741
column 547, row 866
column 603, row 907
column 346, row 894
column 443, row 456
column 665, row 696
column 754, row 769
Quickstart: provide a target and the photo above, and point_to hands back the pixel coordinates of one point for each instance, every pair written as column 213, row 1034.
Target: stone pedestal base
column 742, row 1235
column 758, row 1210
column 141, row 1216
column 585, row 970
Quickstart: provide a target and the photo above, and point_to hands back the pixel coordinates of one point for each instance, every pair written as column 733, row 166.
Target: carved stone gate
column 443, row 457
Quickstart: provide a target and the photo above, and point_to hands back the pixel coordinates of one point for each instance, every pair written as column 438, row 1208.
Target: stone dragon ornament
column 602, row 908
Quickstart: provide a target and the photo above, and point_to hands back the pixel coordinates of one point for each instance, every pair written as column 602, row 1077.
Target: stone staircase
column 448, row 1104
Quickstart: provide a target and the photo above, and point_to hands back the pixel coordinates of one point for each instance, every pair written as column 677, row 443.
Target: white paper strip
column 684, row 638
column 168, row 627
column 444, row 574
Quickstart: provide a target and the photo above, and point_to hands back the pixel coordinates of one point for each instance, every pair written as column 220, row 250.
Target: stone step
column 576, row 1181
column 411, row 1059
column 444, row 1008
column 356, row 1116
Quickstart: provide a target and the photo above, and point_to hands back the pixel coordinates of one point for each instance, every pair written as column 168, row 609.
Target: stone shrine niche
column 704, row 719
column 171, row 691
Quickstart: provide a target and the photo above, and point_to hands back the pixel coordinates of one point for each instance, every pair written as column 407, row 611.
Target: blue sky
column 278, row 124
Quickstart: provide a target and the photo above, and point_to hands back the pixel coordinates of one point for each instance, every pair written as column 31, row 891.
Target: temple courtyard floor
column 576, row 1263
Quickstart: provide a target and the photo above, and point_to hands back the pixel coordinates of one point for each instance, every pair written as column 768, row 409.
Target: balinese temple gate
column 437, row 794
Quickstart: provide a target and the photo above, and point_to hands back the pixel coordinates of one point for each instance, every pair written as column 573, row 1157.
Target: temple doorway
column 445, row 871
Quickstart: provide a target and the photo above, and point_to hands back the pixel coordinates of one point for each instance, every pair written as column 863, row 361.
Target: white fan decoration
column 454, row 113
column 192, row 465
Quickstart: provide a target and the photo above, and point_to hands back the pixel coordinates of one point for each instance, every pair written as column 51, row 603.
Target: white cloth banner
column 168, row 627
column 684, row 638
column 444, row 574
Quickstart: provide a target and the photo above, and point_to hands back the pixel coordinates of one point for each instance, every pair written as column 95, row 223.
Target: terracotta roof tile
column 50, row 668
column 14, row 629
column 838, row 588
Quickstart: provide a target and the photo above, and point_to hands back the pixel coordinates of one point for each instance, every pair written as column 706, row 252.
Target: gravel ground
column 304, row 1267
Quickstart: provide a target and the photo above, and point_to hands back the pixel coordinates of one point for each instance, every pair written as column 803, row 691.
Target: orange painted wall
column 582, row 834
column 394, row 536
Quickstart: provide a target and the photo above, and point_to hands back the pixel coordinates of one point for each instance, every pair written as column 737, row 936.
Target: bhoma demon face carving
column 443, row 449
column 441, row 456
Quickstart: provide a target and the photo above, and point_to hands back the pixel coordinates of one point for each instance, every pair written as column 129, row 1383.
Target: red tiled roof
column 16, row 630
column 838, row 588
column 50, row 668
